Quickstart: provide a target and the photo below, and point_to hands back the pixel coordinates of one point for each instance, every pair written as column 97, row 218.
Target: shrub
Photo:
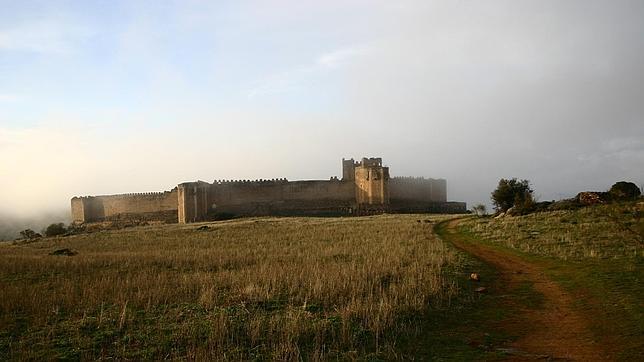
column 55, row 229
column 624, row 190
column 29, row 234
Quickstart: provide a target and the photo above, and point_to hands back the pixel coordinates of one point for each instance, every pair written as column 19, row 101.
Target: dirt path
column 554, row 330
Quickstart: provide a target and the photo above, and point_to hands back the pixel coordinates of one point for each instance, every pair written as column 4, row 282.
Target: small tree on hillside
column 624, row 191
column 55, row 229
column 29, row 234
column 511, row 193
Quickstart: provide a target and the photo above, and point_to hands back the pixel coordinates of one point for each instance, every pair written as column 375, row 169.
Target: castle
column 365, row 188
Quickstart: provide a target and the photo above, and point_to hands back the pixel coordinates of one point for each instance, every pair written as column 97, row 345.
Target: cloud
column 296, row 79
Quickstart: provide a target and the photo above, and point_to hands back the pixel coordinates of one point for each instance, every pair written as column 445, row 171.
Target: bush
column 29, row 234
column 512, row 193
column 624, row 190
column 55, row 229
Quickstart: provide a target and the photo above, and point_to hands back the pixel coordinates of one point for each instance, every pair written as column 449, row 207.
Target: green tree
column 29, row 234
column 511, row 193
column 55, row 229
column 624, row 190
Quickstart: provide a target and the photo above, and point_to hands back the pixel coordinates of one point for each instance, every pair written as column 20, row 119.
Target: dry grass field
column 599, row 232
column 267, row 288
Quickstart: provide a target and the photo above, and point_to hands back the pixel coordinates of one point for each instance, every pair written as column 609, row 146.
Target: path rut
column 554, row 330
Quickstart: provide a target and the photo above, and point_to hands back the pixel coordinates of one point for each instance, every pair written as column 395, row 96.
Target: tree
column 624, row 191
column 55, row 229
column 510, row 193
column 29, row 234
column 479, row 209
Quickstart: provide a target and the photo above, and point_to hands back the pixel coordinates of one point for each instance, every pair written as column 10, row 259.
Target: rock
column 481, row 290
column 203, row 228
column 63, row 252
column 475, row 276
column 590, row 198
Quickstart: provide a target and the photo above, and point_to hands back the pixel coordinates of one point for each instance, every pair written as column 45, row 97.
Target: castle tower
column 372, row 183
column 192, row 201
column 348, row 170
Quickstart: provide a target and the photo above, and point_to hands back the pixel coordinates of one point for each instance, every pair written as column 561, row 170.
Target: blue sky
column 100, row 97
column 93, row 57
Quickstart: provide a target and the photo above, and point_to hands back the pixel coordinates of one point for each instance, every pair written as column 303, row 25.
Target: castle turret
column 372, row 183
column 348, row 170
column 192, row 201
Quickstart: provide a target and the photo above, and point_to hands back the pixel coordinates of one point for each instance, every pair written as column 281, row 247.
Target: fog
column 102, row 100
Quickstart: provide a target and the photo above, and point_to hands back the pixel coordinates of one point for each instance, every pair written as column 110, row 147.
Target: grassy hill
column 598, row 232
column 596, row 253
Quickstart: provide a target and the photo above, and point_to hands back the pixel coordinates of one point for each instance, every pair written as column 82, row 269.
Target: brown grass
column 604, row 231
column 254, row 288
column 595, row 254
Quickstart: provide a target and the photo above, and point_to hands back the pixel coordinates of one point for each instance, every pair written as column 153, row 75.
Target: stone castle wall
column 199, row 200
column 150, row 205
column 365, row 187
column 405, row 189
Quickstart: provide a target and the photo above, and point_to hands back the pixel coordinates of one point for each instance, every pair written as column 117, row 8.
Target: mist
column 469, row 91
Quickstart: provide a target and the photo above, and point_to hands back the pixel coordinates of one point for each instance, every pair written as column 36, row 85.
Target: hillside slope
column 595, row 253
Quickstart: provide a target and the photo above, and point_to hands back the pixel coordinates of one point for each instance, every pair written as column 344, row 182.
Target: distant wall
column 279, row 196
column 264, row 197
column 365, row 188
column 420, row 207
column 403, row 189
column 152, row 205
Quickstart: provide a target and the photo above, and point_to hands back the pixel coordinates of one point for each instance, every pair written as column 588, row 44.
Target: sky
column 104, row 97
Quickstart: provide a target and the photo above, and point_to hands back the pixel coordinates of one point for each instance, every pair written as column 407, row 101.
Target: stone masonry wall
column 280, row 196
column 96, row 208
column 365, row 188
column 402, row 189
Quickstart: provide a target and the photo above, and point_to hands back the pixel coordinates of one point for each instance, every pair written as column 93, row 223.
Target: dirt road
column 553, row 330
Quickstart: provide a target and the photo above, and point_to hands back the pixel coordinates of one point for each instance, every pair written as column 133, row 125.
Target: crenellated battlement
column 131, row 194
column 250, row 182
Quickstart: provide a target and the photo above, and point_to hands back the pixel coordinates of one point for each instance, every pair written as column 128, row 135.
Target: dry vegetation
column 596, row 253
column 254, row 288
column 605, row 231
